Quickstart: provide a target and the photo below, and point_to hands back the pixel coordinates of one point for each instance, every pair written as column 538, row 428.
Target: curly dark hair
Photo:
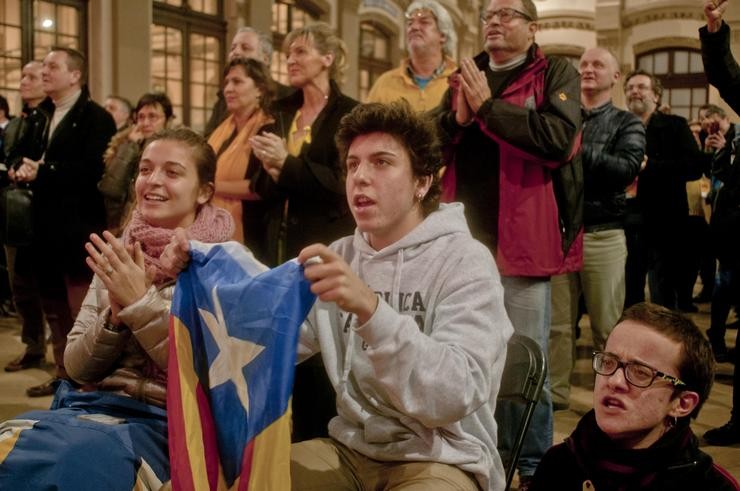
column 417, row 134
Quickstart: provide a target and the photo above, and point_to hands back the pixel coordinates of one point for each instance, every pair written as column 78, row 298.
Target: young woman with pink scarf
column 117, row 350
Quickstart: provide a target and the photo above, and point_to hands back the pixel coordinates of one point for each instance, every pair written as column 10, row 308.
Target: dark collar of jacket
column 675, row 458
column 660, row 120
column 483, row 59
column 287, row 107
column 48, row 106
column 592, row 113
column 600, row 124
column 25, row 135
column 28, row 110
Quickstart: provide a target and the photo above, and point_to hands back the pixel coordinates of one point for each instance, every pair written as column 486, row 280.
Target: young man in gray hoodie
column 410, row 323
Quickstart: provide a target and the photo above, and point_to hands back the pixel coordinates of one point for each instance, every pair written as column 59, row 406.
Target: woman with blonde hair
column 301, row 175
column 301, row 178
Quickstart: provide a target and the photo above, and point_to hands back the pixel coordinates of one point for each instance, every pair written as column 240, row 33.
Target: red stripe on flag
column 246, row 466
column 208, row 428
column 181, row 474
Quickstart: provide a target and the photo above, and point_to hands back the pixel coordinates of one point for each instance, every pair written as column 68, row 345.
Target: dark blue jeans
column 528, row 304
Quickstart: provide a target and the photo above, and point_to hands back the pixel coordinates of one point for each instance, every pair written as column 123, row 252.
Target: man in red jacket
column 511, row 121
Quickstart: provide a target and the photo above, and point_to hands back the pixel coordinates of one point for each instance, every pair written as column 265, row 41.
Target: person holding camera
column 721, row 135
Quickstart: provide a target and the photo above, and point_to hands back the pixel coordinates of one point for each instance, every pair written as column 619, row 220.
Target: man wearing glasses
column 431, row 42
column 672, row 159
column 511, row 121
column 652, row 378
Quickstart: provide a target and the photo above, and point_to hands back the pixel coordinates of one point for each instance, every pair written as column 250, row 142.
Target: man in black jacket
column 22, row 140
column 671, row 160
column 612, row 150
column 724, row 73
column 67, row 204
column 511, row 124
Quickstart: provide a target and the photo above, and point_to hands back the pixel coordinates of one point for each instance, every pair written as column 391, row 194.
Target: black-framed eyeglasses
column 636, row 373
column 505, row 15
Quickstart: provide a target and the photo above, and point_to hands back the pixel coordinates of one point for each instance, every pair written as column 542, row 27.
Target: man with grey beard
column 671, row 159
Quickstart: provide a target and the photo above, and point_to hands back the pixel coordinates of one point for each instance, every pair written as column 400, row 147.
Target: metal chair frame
column 522, row 381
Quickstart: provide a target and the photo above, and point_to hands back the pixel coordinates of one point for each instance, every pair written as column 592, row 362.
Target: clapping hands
column 121, row 269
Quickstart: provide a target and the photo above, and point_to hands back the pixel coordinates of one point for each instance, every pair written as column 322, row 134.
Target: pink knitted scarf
column 212, row 224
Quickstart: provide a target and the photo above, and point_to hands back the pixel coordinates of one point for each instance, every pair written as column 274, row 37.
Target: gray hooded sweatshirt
column 418, row 381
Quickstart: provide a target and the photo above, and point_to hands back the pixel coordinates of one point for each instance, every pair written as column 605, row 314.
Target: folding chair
column 524, row 375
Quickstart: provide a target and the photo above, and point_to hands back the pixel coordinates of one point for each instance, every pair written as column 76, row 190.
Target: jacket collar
column 287, row 107
column 605, row 462
column 48, row 106
column 535, row 62
column 534, row 52
column 590, row 113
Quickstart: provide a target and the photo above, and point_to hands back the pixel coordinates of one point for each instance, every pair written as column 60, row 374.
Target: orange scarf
column 232, row 163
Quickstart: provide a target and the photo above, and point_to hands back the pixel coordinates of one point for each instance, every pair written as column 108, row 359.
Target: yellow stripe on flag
column 146, row 478
column 191, row 413
column 271, row 461
column 12, row 430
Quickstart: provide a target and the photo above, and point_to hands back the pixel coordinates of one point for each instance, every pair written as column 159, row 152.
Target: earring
column 419, row 197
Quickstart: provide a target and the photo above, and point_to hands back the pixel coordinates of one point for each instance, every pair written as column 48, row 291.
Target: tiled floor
column 715, row 412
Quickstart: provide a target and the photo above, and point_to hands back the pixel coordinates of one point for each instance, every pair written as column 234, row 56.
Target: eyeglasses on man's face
column 505, row 15
column 639, row 87
column 636, row 373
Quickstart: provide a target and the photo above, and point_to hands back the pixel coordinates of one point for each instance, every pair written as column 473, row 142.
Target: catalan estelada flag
column 233, row 336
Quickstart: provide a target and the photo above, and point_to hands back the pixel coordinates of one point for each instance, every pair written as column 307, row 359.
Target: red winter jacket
column 532, row 129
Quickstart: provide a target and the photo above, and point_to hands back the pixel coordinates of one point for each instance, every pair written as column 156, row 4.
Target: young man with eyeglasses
column 511, row 123
column 652, row 378
column 421, row 78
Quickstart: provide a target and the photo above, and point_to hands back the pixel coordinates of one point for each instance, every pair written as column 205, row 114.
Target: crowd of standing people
column 487, row 195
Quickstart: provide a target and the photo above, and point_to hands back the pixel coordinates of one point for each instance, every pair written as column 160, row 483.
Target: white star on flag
column 233, row 353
